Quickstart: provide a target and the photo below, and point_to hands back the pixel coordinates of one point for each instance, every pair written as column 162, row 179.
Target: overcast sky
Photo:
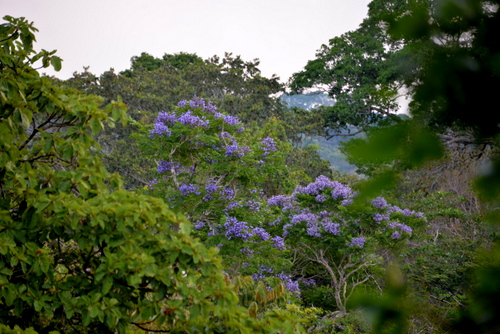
column 104, row 34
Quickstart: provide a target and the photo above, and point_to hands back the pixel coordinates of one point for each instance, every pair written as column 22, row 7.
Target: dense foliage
column 227, row 222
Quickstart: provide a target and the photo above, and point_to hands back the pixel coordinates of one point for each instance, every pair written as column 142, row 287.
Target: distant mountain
column 328, row 149
column 308, row 101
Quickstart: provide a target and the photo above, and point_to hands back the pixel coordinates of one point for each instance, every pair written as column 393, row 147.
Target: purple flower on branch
column 268, row 145
column 189, row 188
column 278, row 242
column 166, row 117
column 261, row 233
column 395, row 235
column 160, row 129
column 358, row 242
column 379, row 203
column 341, row 191
column 378, row 217
column 402, row 227
column 231, row 120
column 167, row 166
column 235, row 228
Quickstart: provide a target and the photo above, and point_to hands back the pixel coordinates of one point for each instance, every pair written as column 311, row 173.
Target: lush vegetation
column 180, row 196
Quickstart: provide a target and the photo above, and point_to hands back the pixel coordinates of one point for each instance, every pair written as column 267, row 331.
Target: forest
column 183, row 195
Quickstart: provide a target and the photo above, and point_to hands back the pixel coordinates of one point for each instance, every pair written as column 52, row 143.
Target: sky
column 104, row 34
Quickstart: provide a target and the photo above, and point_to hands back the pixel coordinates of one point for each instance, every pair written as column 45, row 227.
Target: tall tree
column 358, row 70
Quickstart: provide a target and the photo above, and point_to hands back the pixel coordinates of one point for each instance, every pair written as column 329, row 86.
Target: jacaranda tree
column 218, row 173
column 323, row 224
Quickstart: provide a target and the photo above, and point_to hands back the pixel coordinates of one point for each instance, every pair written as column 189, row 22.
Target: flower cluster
column 167, row 166
column 233, row 149
column 189, row 188
column 197, row 102
column 287, row 203
column 379, row 203
column 357, row 242
column 239, row 229
column 308, row 212
column 323, row 187
column 188, row 117
column 291, row 285
column 268, row 145
column 160, row 129
column 400, row 226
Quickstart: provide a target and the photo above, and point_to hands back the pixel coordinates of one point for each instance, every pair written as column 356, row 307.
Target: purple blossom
column 268, row 145
column 227, row 193
column 246, row 251
column 319, row 184
column 379, row 202
column 253, row 205
column 234, row 150
column 308, row 217
column 324, row 213
column 166, row 117
column 214, row 230
column 260, row 232
column 231, row 120
column 395, row 235
column 160, row 129
column 407, row 212
column 393, row 208
column 278, row 242
column 330, row 227
column 152, row 183
column 167, row 166
column 258, row 276
column 225, row 134
column 291, row 285
column 211, row 187
column 405, row 228
column 321, row 198
column 378, row 217
column 189, row 188
column 286, row 227
column 239, row 229
column 347, row 202
column 402, row 227
column 309, row 281
column 357, row 242
column 197, row 102
column 189, row 119
column 279, row 200
column 313, row 230
column 312, row 226
column 199, row 225
column 232, row 205
column 341, row 191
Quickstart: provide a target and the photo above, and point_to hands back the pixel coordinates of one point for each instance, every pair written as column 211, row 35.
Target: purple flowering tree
column 323, row 225
column 215, row 172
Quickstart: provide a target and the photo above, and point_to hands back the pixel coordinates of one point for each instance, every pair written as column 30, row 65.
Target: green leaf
column 49, row 143
column 107, row 284
column 96, row 126
column 56, row 63
column 185, row 228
